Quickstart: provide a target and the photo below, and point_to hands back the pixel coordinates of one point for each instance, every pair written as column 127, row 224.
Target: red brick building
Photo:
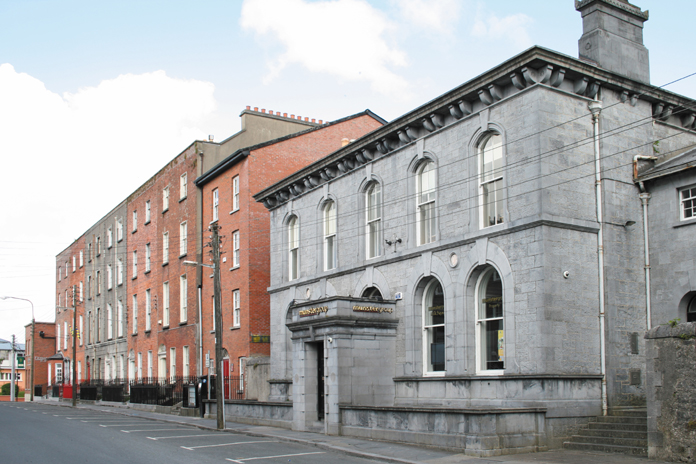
column 227, row 191
column 44, row 347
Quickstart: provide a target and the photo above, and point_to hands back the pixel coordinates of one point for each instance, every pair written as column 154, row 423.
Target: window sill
column 165, row 327
column 147, row 272
column 183, row 323
column 134, row 334
column 134, row 231
column 147, row 222
column 134, row 277
column 234, row 211
column 235, row 328
column 686, row 222
column 435, row 374
column 214, row 221
column 109, row 247
column 182, row 199
column 234, row 268
column 182, row 256
column 119, row 240
column 147, row 331
column 164, row 264
column 165, row 210
column 212, row 331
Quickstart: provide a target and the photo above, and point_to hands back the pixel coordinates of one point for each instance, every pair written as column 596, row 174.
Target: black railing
column 168, row 391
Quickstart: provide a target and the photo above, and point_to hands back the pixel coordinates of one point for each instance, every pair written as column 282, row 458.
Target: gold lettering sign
column 314, row 311
column 260, row 339
column 372, row 309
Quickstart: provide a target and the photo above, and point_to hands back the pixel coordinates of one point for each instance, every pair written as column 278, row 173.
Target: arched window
column 293, row 247
column 434, row 328
column 372, row 293
column 373, row 230
column 425, row 199
column 491, row 180
column 490, row 333
column 691, row 311
column 329, row 235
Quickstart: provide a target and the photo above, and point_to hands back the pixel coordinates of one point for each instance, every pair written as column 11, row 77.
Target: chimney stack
column 612, row 37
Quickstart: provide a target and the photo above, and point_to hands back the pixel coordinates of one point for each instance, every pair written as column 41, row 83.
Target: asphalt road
column 45, row 434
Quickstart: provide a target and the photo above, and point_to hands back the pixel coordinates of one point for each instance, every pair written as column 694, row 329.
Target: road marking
column 184, row 436
column 118, row 425
column 152, row 430
column 107, row 420
column 273, row 457
column 191, row 448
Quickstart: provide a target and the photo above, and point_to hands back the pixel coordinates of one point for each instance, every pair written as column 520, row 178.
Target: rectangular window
column 165, row 199
column 108, row 276
column 66, row 269
column 140, row 366
column 79, row 371
column 185, row 361
column 215, row 204
column 99, row 288
column 74, row 263
column 235, row 193
column 165, row 304
column 329, row 235
column 172, row 364
column 81, row 299
column 235, row 248
column 135, row 314
column 135, row 220
column 59, row 302
column 98, row 246
column 149, row 364
column 121, row 373
column 491, row 181
column 65, row 335
column 58, row 337
column 183, row 238
column 214, row 314
column 98, row 325
column 148, row 310
column 119, row 318
column 147, row 212
column 183, row 187
column 59, row 273
column 183, row 293
column 425, row 199
column 148, row 255
column 135, row 263
column 165, row 248
column 109, row 238
column 89, row 252
column 688, row 203
column 82, row 258
column 235, row 307
column 119, row 230
column 119, row 272
column 293, row 247
column 80, row 335
column 109, row 322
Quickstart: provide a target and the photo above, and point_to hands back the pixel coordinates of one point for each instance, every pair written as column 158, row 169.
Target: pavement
column 369, row 449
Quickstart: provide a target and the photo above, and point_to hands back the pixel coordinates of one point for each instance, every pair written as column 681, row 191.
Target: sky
column 96, row 97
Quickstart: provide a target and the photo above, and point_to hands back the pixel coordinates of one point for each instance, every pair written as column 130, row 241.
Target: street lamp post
column 33, row 331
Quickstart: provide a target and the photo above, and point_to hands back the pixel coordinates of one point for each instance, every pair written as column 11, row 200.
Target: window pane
column 494, row 344
column 330, row 252
column 490, row 314
column 434, row 320
column 330, row 219
column 426, row 183
column 374, row 243
column 436, row 349
column 492, row 158
column 435, row 305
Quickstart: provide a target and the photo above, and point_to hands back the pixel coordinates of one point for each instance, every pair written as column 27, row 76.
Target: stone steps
column 622, row 431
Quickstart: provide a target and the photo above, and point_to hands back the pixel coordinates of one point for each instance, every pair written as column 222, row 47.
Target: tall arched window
column 293, row 247
column 490, row 333
column 434, row 328
column 373, row 293
column 329, row 235
column 373, row 232
column 491, row 180
column 425, row 199
column 691, row 311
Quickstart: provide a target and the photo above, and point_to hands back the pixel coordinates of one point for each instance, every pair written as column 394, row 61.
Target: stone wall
column 671, row 391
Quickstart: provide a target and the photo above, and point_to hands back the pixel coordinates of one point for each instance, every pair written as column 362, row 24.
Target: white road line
column 107, row 420
column 191, row 448
column 185, row 436
column 117, row 425
column 273, row 457
column 152, row 430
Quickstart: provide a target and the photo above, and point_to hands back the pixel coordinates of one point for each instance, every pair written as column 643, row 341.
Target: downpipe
column 595, row 108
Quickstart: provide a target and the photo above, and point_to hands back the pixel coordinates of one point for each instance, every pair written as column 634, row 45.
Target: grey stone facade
column 569, row 258
column 105, row 333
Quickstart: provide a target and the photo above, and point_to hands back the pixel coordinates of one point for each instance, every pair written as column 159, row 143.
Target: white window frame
column 119, row 230
column 135, row 313
column 148, row 212
column 429, row 328
column 81, row 332
column 183, row 238
column 58, row 337
column 149, row 364
column 148, row 257
column 65, row 335
column 119, row 318
column 81, row 294
column 165, row 248
column 183, row 186
column 109, row 276
column 165, row 304
column 140, row 365
column 183, row 299
column 329, row 231
column 119, row 272
column 236, row 308
column 687, row 203
column 135, row 220
column 135, row 263
column 172, row 364
column 99, row 283
column 373, row 222
column 426, row 180
column 480, row 323
column 165, row 199
column 185, row 361
column 74, row 263
column 235, row 248
column 109, row 322
column 82, row 258
column 216, row 204
column 235, row 194
column 109, row 237
column 293, row 236
column 148, row 310
column 490, row 177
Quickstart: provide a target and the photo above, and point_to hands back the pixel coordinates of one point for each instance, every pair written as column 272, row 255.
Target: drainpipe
column 595, row 108
column 200, row 336
column 645, row 199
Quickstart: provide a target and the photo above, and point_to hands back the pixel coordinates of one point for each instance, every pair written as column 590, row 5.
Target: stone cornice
column 618, row 4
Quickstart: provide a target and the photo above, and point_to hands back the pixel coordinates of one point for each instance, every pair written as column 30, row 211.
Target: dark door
column 320, row 381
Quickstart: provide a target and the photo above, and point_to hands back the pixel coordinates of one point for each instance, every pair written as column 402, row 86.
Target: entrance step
column 624, row 430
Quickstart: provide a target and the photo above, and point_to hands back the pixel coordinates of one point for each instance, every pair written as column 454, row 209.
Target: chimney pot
column 299, row 117
column 285, row 115
column 306, row 118
column 345, row 142
column 256, row 108
column 263, row 110
column 248, row 107
column 314, row 120
column 270, row 111
column 292, row 116
column 321, row 121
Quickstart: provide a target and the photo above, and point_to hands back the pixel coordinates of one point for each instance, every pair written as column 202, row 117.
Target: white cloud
column 434, row 15
column 344, row 38
column 512, row 28
column 68, row 159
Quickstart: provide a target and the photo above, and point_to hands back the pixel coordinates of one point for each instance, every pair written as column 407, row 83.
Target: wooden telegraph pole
column 219, row 391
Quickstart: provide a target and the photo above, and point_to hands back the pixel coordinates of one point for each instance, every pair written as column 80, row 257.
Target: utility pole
column 12, row 382
column 219, row 392
column 74, row 349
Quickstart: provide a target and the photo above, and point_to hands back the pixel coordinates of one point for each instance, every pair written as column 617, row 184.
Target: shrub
column 5, row 390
